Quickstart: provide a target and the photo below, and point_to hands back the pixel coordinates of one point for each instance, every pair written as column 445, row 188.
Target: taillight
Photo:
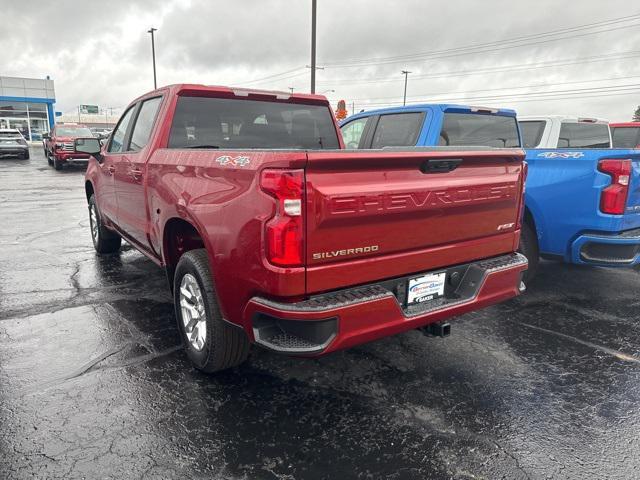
column 284, row 232
column 525, row 172
column 614, row 197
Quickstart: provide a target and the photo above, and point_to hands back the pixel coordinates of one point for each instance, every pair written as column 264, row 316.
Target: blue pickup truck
column 582, row 198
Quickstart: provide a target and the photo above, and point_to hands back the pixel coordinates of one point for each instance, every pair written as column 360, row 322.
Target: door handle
column 111, row 169
column 136, row 174
column 440, row 166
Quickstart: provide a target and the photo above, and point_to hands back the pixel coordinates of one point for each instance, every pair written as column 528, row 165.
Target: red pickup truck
column 59, row 144
column 271, row 233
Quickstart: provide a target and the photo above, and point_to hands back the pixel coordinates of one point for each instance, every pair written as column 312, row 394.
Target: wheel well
column 179, row 237
column 528, row 218
column 88, row 188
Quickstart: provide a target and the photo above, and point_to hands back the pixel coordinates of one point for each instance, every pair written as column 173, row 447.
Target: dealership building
column 27, row 104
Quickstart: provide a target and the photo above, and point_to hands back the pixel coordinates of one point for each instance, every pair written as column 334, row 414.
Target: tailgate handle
column 440, row 166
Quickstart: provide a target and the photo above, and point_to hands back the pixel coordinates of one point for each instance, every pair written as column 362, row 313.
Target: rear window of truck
column 532, row 132
column 202, row 122
column 584, row 135
column 625, row 137
column 472, row 129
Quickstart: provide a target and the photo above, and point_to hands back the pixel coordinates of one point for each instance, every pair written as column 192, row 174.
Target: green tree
column 636, row 115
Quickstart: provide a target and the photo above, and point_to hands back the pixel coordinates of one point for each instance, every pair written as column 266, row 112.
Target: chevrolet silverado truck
column 625, row 134
column 270, row 232
column 583, row 197
column 59, row 147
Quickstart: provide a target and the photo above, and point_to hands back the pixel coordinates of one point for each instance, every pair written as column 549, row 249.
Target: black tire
column 225, row 346
column 49, row 161
column 529, row 248
column 104, row 240
column 56, row 164
column 25, row 156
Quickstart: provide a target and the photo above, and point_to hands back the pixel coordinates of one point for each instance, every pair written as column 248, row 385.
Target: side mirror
column 89, row 145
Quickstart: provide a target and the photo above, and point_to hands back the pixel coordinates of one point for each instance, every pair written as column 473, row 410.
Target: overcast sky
column 99, row 52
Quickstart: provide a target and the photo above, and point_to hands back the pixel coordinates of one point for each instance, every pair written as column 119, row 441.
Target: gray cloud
column 100, row 52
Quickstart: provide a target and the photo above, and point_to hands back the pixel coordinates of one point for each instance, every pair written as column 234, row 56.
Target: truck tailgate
column 379, row 214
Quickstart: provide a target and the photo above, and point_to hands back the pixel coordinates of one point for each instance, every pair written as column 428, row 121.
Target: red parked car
column 271, row 233
column 59, row 147
column 625, row 134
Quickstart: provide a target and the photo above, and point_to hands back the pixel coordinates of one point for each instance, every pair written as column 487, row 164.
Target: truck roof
column 178, row 88
column 625, row 124
column 444, row 107
column 563, row 118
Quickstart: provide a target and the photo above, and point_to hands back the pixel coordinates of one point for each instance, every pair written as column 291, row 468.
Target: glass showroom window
column 38, row 120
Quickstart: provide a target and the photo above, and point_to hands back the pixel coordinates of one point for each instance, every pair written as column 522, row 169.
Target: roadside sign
column 89, row 109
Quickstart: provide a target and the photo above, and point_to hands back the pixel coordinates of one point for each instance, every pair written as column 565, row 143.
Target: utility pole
column 79, row 114
column 353, row 108
column 153, row 55
column 313, row 45
column 291, row 88
column 406, row 75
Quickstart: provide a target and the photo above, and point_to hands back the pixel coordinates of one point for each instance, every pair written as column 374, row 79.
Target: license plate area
column 425, row 288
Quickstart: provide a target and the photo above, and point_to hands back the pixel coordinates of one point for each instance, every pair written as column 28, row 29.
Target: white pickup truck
column 559, row 131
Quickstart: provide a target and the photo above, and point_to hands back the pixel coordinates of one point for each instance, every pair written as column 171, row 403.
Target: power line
column 503, row 88
column 268, row 77
column 498, row 69
column 532, row 96
column 483, row 48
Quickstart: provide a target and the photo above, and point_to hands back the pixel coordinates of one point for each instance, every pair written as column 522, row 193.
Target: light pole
column 329, row 91
column 406, row 75
column 313, row 45
column 291, row 88
column 153, row 55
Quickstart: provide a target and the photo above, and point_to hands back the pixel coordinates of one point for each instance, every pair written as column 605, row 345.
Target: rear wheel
column 529, row 248
column 211, row 343
column 104, row 240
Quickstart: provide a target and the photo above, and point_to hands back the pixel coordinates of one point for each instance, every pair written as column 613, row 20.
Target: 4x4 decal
column 561, row 154
column 239, row 161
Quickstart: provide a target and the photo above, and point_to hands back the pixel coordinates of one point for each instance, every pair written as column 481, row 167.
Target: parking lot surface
column 94, row 383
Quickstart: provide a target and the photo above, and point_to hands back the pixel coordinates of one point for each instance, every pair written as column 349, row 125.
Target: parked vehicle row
column 582, row 202
column 277, row 226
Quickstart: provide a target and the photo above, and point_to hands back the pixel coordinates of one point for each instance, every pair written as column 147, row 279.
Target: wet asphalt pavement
column 94, row 384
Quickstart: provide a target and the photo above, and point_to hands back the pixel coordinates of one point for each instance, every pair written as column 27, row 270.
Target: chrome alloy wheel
column 194, row 316
column 93, row 219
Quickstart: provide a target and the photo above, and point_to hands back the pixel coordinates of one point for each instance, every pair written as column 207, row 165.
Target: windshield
column 474, row 129
column 73, row 132
column 235, row 123
column 625, row 137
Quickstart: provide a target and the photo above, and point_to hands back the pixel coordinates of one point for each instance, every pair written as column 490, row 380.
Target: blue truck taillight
column 613, row 199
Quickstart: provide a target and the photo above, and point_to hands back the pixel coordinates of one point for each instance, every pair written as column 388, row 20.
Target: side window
column 584, row 135
column 532, row 132
column 352, row 132
column 397, row 130
column 117, row 139
column 144, row 124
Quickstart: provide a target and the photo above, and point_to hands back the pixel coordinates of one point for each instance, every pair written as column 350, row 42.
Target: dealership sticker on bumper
column 426, row 287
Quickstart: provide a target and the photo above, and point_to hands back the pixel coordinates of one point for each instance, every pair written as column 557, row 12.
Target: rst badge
column 239, row 161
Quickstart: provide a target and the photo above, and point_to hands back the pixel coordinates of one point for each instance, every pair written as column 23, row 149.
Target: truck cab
column 432, row 125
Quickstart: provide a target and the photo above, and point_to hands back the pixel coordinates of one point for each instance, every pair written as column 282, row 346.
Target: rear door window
column 478, row 130
column 625, row 137
column 352, row 133
column 532, row 132
column 584, row 135
column 397, row 130
column 204, row 122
